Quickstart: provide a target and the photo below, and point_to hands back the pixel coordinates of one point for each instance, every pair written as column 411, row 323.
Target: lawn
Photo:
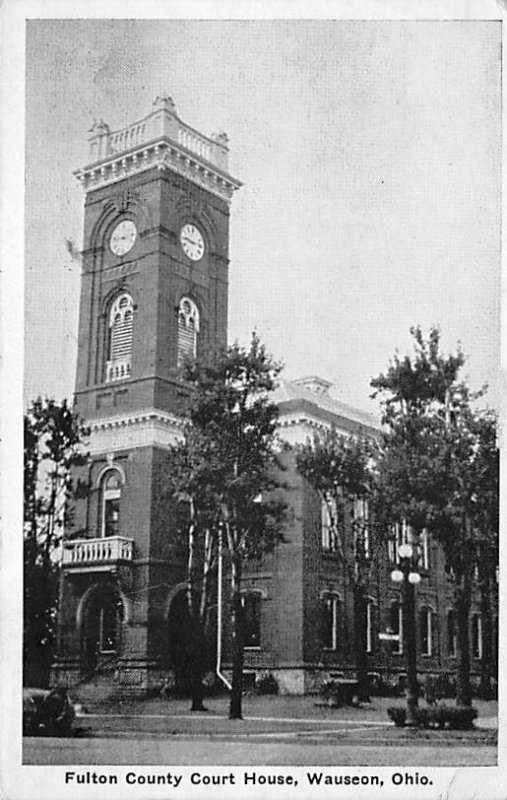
column 268, row 715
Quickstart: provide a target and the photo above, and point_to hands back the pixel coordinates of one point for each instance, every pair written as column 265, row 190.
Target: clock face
column 192, row 241
column 123, row 237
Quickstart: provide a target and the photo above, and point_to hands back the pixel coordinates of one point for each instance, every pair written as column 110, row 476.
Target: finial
column 99, row 127
column 165, row 102
column 220, row 138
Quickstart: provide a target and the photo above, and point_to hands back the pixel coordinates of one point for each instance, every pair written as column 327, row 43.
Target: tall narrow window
column 401, row 533
column 110, row 503
column 188, row 328
column 451, row 634
column 361, row 527
column 477, row 636
column 251, row 603
column 330, row 621
column 329, row 525
column 425, row 631
column 119, row 355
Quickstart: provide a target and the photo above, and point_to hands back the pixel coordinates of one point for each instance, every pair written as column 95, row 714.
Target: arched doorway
column 101, row 629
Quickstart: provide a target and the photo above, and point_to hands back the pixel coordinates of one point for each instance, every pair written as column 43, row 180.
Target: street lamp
column 409, row 578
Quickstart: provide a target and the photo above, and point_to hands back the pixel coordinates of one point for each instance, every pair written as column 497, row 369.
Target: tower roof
column 162, row 140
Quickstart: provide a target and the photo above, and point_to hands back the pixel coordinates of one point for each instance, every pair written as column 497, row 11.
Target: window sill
column 252, row 647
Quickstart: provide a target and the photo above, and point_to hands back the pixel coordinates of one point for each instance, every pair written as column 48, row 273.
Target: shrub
column 438, row 716
column 266, row 684
column 337, row 694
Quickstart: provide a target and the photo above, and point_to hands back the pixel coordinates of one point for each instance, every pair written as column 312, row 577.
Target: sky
column 370, row 158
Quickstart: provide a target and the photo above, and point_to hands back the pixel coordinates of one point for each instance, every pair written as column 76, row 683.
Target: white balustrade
column 159, row 140
column 192, row 141
column 162, row 123
column 97, row 551
column 126, row 138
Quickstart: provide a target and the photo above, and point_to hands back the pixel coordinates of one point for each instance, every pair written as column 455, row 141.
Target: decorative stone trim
column 125, row 432
column 160, row 154
column 297, row 428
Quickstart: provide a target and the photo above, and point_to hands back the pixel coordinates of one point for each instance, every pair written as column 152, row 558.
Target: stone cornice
column 162, row 154
column 131, row 431
column 139, row 418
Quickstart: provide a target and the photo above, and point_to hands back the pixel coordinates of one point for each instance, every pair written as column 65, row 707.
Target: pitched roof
column 294, row 395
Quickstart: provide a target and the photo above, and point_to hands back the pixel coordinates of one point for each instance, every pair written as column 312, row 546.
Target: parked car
column 47, row 712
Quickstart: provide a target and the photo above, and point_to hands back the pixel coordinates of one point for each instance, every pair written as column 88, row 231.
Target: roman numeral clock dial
column 192, row 242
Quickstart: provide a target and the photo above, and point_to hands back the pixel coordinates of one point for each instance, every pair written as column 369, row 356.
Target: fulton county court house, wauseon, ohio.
column 155, row 289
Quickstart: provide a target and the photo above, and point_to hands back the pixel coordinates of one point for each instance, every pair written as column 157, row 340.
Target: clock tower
column 154, row 293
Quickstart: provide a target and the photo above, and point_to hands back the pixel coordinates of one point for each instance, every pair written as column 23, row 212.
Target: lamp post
column 409, row 577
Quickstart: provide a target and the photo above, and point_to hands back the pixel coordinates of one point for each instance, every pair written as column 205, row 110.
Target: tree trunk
column 360, row 644
column 196, row 664
column 462, row 604
column 487, row 657
column 235, row 710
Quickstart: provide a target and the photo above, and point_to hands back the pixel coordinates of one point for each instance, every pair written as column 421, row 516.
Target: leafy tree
column 53, row 438
column 228, row 469
column 486, row 520
column 340, row 469
column 190, row 480
column 430, row 468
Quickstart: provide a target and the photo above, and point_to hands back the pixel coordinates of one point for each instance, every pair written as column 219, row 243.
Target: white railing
column 194, row 142
column 162, row 122
column 127, row 137
column 97, row 551
column 117, row 370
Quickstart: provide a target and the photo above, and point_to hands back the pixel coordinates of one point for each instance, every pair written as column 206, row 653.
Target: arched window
column 425, row 631
column 188, row 328
column 251, row 602
column 331, row 619
column 110, row 494
column 121, row 316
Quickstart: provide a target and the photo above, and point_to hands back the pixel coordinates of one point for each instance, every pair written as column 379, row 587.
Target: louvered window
column 188, row 328
column 121, row 319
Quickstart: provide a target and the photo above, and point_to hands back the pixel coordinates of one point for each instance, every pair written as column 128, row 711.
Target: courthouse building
column 155, row 270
